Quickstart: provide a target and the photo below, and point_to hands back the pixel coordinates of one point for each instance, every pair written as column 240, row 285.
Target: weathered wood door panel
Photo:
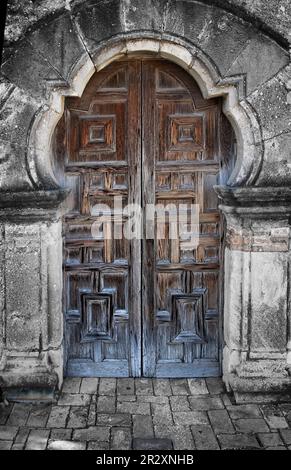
column 102, row 274
column 181, row 162
column 143, row 132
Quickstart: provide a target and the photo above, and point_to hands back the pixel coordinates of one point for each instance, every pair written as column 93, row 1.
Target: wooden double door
column 141, row 306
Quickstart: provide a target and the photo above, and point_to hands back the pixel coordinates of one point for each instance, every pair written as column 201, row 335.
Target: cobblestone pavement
column 101, row 414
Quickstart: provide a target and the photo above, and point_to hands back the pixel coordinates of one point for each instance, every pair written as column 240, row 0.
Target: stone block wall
column 51, row 50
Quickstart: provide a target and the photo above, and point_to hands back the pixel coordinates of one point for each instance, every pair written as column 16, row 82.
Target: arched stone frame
column 194, row 61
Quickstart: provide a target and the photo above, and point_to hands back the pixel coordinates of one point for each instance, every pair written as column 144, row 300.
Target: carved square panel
column 97, row 322
column 120, row 181
column 97, row 133
column 189, row 317
column 185, row 132
column 116, row 282
column 77, row 283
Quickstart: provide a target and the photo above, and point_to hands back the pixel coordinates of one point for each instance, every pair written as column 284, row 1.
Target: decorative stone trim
column 40, row 154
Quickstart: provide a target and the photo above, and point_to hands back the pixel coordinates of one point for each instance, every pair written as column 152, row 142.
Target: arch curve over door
column 143, row 132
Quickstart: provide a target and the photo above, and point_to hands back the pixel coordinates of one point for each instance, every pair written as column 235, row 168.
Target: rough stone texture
column 204, row 437
column 44, row 43
column 58, row 416
column 206, row 403
column 272, row 14
column 37, row 439
column 93, row 433
column 68, row 427
column 152, row 444
column 66, row 445
column 89, row 385
column 120, row 439
column 142, row 426
column 220, row 421
column 238, row 441
column 71, row 385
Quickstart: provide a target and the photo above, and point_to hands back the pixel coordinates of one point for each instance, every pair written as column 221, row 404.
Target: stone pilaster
column 31, row 356
column 257, row 349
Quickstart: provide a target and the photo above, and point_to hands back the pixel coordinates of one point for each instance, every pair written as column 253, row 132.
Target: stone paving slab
column 152, row 444
column 109, row 413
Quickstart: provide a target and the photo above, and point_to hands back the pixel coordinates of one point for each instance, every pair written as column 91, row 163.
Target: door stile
column 134, row 197
column 148, row 197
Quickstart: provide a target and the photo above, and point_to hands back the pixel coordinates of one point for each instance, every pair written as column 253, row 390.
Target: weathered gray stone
column 107, row 387
column 198, row 387
column 93, row 433
column 125, row 386
column 206, row 403
column 66, row 445
column 142, row 426
column 180, row 435
column 271, row 16
column 204, row 437
column 268, row 317
column 153, row 399
column 190, row 417
column 38, row 70
column 71, row 385
column 120, row 439
column 238, row 441
column 271, row 439
column 98, row 445
column 244, row 411
column 270, row 102
column 19, row 414
column 5, row 412
column 180, row 387
column 128, row 398
column 38, row 416
column 114, row 419
column 133, row 408
column 286, row 435
column 17, row 446
column 22, row 436
column 274, row 417
column 98, row 22
column 89, row 385
column 37, row 439
column 106, row 404
column 58, row 417
column 179, row 403
column 50, row 42
column 5, row 445
column 251, row 425
column 78, row 417
column 162, row 414
column 276, row 448
column 91, row 421
column 217, row 33
column 74, row 399
column 144, row 387
column 60, row 434
column 8, row 432
column 220, row 421
column 259, row 71
column 162, row 387
column 215, row 385
column 152, row 444
column 276, row 171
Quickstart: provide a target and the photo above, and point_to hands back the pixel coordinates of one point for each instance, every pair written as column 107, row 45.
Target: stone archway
column 241, row 116
column 255, row 202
